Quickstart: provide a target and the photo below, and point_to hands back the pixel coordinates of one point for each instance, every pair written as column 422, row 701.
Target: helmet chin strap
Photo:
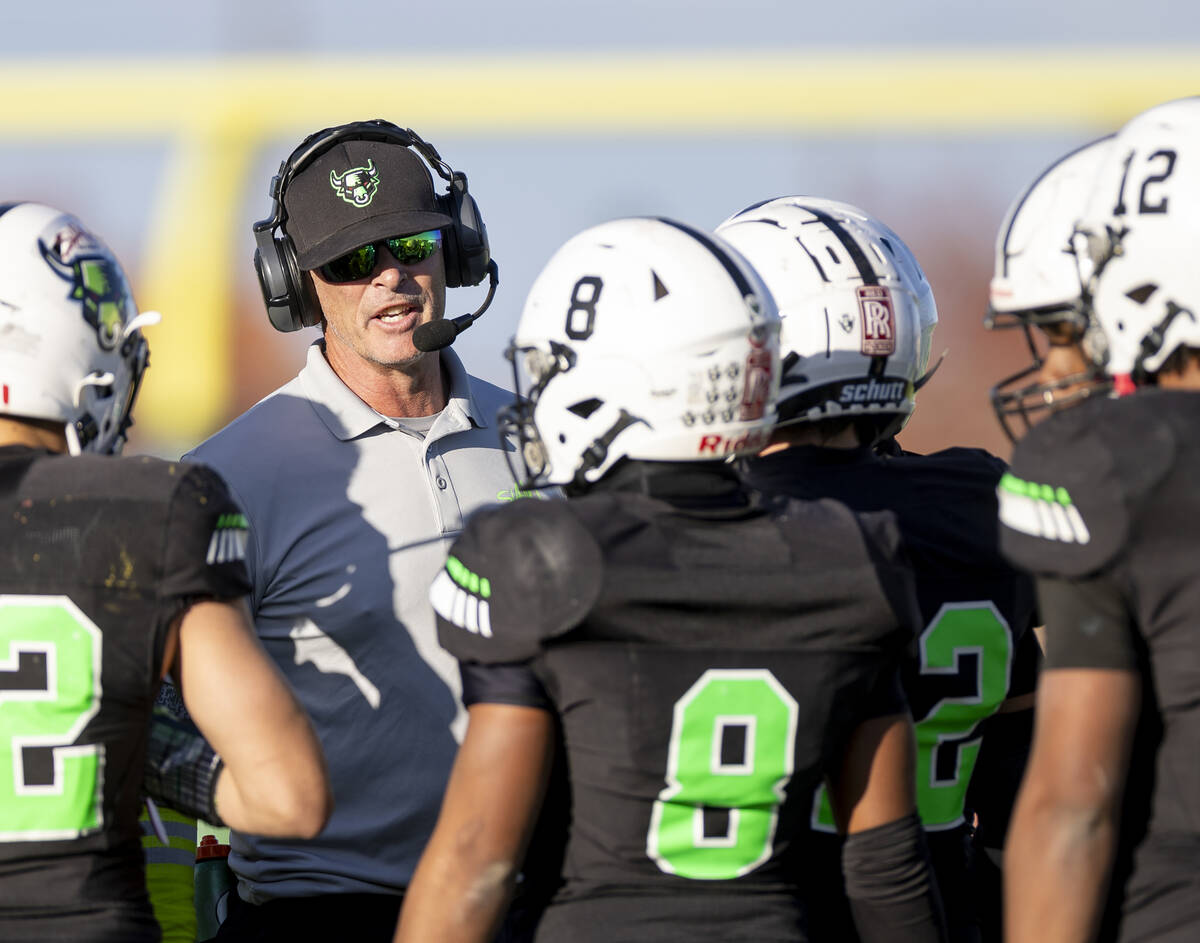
column 1153, row 341
column 596, row 453
column 73, row 447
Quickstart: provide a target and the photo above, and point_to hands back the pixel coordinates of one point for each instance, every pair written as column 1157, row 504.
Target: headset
column 289, row 296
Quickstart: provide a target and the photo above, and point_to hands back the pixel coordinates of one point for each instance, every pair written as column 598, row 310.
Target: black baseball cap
column 358, row 192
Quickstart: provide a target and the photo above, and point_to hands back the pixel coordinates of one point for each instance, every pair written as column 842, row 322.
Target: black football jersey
column 974, row 651
column 707, row 666
column 1102, row 504
column 97, row 556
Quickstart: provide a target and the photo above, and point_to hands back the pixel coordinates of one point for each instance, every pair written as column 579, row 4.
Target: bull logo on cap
column 357, row 185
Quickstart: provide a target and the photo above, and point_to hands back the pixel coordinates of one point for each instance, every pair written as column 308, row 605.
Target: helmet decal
column 878, row 320
column 357, row 186
column 759, row 367
column 96, row 281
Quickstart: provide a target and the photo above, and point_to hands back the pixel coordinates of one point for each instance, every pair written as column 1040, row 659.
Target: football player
column 1102, row 506
column 116, row 571
column 1035, row 287
column 858, row 317
column 708, row 657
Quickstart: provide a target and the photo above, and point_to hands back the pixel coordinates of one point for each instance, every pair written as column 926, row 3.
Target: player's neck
column 34, row 433
column 1185, row 378
column 844, row 438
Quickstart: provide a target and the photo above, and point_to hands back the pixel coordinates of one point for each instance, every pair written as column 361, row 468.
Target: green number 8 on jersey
column 751, row 708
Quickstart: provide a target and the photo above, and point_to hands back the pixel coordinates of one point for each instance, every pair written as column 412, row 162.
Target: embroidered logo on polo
column 516, row 494
column 357, row 186
column 1040, row 510
column 228, row 542
column 461, row 597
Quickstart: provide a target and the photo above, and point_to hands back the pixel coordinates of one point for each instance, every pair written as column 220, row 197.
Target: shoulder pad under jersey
column 1068, row 504
column 517, row 575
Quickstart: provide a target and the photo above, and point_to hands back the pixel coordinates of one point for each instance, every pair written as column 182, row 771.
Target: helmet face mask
column 533, row 368
column 858, row 313
column 1026, row 397
column 641, row 339
column 78, row 356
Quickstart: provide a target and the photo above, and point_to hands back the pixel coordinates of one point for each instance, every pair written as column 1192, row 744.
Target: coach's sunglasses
column 359, row 263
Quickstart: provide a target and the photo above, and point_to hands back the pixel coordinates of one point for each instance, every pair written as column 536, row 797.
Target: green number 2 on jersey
column 50, row 655
column 731, row 755
column 958, row 629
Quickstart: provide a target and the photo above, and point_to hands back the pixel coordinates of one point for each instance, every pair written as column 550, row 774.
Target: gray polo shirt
column 350, row 521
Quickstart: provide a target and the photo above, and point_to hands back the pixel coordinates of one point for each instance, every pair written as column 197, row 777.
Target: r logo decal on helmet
column 878, row 320
column 757, row 391
column 96, row 281
column 357, row 186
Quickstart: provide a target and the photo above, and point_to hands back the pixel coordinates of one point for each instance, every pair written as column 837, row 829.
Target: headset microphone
column 438, row 334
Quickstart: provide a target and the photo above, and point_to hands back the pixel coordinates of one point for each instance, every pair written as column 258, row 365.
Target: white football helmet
column 858, row 313
column 645, row 339
column 1140, row 238
column 1036, row 284
column 71, row 349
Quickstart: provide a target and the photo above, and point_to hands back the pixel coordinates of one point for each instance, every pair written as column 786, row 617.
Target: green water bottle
column 214, row 883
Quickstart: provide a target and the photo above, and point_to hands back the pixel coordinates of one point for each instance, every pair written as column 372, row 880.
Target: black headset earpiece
column 288, row 295
column 466, row 243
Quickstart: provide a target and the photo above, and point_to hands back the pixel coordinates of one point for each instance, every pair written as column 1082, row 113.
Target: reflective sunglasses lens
column 408, row 250
column 355, row 264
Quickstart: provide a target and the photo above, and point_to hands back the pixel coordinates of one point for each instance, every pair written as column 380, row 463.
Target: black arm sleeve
column 1088, row 624
column 513, row 683
column 889, row 881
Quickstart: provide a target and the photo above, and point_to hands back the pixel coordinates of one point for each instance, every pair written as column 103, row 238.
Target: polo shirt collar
column 348, row 417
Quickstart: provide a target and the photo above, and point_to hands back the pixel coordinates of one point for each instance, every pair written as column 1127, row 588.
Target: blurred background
column 160, row 125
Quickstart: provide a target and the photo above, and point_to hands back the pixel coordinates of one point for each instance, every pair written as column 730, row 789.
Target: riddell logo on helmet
column 878, row 320
column 752, row 441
